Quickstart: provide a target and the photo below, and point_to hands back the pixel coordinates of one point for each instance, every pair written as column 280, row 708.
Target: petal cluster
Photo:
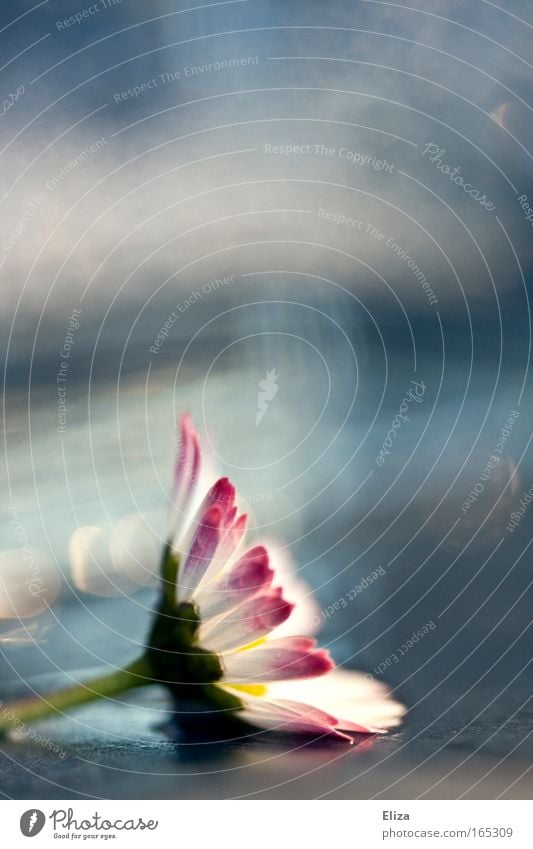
column 241, row 606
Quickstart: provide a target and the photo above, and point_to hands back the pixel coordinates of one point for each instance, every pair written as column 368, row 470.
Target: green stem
column 14, row 714
column 169, row 577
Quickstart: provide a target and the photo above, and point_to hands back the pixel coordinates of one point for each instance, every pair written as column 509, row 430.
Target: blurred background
column 325, row 207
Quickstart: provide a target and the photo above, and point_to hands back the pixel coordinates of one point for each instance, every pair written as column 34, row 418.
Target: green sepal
column 174, row 653
column 177, row 660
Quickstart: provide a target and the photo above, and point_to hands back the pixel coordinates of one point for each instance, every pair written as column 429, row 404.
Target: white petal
column 242, row 580
column 306, row 617
column 275, row 660
column 289, row 717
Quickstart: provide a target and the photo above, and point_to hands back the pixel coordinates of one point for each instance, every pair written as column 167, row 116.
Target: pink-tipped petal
column 293, row 643
column 249, row 576
column 234, row 535
column 247, row 623
column 230, row 541
column 208, row 529
column 362, row 704
column 196, row 461
column 270, row 662
column 222, row 493
column 291, row 717
column 307, row 618
column 203, row 546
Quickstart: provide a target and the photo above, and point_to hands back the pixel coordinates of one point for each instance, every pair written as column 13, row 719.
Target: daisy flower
column 221, row 640
column 230, row 608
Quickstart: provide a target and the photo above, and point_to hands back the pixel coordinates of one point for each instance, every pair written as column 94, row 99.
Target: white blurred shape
column 90, row 561
column 136, row 550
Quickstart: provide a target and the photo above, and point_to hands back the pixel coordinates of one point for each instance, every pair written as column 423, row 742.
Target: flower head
column 214, row 640
column 218, row 639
